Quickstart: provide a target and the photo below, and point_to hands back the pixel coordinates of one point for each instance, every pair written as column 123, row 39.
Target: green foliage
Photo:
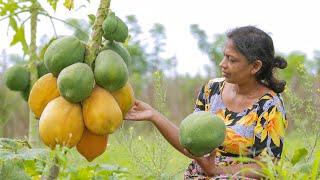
column 298, row 155
column 214, row 49
column 12, row 9
column 69, row 4
column 81, row 28
column 294, row 60
column 156, row 61
column 53, row 3
column 13, row 170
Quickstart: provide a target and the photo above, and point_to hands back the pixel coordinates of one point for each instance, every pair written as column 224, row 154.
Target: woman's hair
column 255, row 44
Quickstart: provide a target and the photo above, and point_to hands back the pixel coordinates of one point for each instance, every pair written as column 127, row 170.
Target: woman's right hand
column 140, row 111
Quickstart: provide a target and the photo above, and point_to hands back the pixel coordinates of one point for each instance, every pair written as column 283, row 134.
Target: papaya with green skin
column 25, row 93
column 101, row 112
column 17, row 78
column 114, row 28
column 109, row 25
column 201, row 132
column 120, row 49
column 42, row 69
column 63, row 52
column 61, row 123
column 76, row 82
column 110, row 70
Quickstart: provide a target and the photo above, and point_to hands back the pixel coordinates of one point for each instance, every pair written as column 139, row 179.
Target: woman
column 247, row 98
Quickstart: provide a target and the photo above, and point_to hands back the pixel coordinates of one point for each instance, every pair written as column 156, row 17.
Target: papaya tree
column 18, row 13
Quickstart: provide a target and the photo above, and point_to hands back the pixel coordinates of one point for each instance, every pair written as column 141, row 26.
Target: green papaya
column 42, row 69
column 63, row 52
column 114, row 28
column 17, row 78
column 25, row 93
column 76, row 82
column 201, row 132
column 120, row 49
column 110, row 70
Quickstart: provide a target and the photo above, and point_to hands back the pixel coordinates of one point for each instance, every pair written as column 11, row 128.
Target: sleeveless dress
column 256, row 131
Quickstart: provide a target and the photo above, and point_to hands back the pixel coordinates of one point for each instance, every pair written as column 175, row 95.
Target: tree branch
column 14, row 14
column 61, row 20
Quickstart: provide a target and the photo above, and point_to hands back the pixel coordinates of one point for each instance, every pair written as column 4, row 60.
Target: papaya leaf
column 8, row 8
column 298, row 155
column 13, row 23
column 20, row 37
column 68, row 4
column 92, row 18
column 53, row 4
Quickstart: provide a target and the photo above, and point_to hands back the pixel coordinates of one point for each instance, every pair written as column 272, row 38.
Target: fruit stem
column 34, row 138
column 96, row 35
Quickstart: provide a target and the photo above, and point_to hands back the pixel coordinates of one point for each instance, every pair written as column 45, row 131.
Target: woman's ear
column 256, row 66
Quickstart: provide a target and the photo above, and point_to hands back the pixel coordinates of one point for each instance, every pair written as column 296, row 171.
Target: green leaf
column 53, row 4
column 298, row 155
column 68, row 4
column 92, row 18
column 13, row 23
column 20, row 37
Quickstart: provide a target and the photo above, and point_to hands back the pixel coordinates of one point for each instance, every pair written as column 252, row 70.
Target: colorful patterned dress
column 258, row 130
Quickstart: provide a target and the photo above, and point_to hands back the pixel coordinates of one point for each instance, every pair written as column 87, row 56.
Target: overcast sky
column 293, row 25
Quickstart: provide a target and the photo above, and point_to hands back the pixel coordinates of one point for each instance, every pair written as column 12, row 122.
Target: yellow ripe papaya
column 42, row 92
column 102, row 115
column 91, row 145
column 124, row 97
column 61, row 122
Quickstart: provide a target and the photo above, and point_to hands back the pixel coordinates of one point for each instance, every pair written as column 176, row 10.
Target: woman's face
column 234, row 66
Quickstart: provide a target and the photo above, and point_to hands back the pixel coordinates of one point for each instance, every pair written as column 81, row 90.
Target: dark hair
column 255, row 44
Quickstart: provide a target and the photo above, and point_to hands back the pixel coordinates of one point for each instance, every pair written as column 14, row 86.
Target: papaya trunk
column 34, row 138
column 96, row 35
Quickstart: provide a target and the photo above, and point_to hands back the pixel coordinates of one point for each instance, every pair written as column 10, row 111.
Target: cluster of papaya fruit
column 79, row 104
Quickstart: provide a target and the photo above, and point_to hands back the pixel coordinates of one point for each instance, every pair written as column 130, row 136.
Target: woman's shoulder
column 272, row 100
column 214, row 83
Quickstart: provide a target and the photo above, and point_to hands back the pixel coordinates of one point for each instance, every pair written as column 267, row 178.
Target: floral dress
column 258, row 130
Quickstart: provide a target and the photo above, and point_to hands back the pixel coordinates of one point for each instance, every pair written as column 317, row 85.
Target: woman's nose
column 222, row 64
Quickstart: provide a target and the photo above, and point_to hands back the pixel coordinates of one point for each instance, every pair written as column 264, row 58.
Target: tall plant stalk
column 96, row 36
column 34, row 138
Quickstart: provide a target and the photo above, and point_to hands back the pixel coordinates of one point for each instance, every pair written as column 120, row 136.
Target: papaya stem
column 34, row 138
column 96, row 35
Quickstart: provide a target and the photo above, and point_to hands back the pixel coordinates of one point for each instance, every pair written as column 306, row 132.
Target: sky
column 293, row 25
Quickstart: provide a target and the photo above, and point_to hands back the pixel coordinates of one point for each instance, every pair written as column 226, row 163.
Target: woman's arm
column 143, row 111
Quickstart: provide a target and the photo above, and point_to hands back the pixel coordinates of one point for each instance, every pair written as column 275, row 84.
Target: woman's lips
column 225, row 74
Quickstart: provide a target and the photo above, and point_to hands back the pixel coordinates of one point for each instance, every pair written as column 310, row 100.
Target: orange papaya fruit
column 91, row 145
